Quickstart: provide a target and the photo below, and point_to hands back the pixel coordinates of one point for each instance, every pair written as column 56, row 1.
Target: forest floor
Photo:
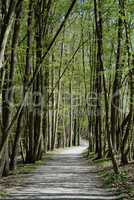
column 123, row 182
column 65, row 175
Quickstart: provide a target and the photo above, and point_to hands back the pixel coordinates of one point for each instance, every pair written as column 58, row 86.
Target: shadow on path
column 67, row 176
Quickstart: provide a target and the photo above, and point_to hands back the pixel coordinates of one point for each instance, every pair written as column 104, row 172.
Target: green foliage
column 3, row 195
column 114, row 179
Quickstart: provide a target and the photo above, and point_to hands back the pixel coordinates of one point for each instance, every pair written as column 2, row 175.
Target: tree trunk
column 8, row 88
column 116, row 84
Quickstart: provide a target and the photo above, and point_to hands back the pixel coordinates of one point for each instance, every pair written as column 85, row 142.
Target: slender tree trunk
column 59, row 85
column 98, row 80
column 53, row 142
column 124, row 147
column 70, row 116
column 26, row 77
column 9, row 84
column 6, row 28
column 116, row 84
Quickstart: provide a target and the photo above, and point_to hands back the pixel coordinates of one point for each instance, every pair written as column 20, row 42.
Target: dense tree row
column 66, row 71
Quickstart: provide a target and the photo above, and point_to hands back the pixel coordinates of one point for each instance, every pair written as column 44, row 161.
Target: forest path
column 67, row 175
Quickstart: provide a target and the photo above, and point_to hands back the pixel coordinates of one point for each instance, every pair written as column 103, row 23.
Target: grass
column 112, row 179
column 27, row 168
column 23, row 169
column 3, row 195
column 103, row 162
column 123, row 182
